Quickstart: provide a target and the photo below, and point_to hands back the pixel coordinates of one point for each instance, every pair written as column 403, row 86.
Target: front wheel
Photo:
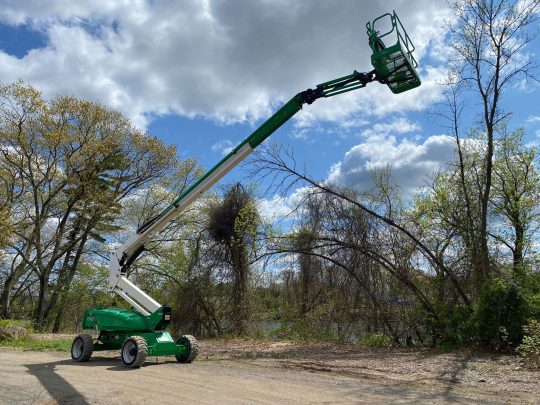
column 134, row 351
column 82, row 348
column 192, row 349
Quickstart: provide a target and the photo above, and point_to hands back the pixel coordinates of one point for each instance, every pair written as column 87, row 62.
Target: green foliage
column 530, row 346
column 315, row 325
column 377, row 339
column 86, row 291
column 23, row 323
column 31, row 343
column 233, row 224
column 453, row 325
column 501, row 312
column 6, row 228
column 66, row 167
column 309, row 329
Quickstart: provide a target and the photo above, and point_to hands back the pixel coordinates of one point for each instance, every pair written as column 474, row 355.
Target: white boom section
column 118, row 282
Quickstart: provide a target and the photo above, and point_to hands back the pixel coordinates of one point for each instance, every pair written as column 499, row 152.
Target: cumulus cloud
column 399, row 126
column 409, row 162
column 223, row 147
column 280, row 208
column 227, row 61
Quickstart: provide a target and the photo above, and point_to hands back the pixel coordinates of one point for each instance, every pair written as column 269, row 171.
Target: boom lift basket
column 395, row 64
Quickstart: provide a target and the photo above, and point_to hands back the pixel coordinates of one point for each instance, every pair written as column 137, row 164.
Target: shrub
column 12, row 332
column 12, row 329
column 378, row 339
column 530, row 346
column 500, row 314
column 12, row 322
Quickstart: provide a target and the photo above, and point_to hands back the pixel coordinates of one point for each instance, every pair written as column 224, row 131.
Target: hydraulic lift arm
column 394, row 66
column 126, row 254
column 140, row 332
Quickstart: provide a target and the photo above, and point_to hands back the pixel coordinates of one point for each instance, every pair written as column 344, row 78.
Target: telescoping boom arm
column 396, row 69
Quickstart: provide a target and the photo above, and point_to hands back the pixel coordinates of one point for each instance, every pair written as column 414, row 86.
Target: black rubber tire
column 193, row 351
column 82, row 348
column 134, row 351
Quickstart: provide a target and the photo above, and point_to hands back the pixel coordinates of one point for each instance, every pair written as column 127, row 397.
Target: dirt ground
column 247, row 372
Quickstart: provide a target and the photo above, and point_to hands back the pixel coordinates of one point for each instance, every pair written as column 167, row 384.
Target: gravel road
column 51, row 378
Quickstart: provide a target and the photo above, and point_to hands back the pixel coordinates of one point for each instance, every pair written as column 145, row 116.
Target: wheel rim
column 183, row 357
column 129, row 352
column 77, row 348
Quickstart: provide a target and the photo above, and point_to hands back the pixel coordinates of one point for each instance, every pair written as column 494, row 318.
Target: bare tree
column 286, row 175
column 488, row 39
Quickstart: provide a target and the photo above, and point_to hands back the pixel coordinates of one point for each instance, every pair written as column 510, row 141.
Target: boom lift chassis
column 140, row 331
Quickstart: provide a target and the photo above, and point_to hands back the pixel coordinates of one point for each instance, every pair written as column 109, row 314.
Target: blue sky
column 204, row 74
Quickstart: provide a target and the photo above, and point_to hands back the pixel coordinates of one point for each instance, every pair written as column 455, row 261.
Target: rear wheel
column 134, row 351
column 192, row 346
column 82, row 348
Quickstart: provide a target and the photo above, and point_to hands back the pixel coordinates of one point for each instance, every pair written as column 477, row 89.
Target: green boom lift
column 140, row 331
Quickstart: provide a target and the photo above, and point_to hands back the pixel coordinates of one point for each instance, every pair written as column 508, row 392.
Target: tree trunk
column 483, row 269
column 5, row 297
column 518, row 249
column 42, row 298
column 240, row 286
column 305, row 276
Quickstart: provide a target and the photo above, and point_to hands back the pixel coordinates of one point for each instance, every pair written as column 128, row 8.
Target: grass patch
column 378, row 339
column 12, row 322
column 30, row 343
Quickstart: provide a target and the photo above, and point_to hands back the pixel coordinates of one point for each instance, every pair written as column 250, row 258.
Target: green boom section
column 281, row 116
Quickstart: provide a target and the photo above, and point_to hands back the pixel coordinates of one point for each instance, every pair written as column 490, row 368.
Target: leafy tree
column 488, row 38
column 516, row 192
column 72, row 163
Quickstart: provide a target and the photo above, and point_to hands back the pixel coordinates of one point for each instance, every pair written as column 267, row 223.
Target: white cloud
column 408, row 161
column 353, row 122
column 534, row 118
column 399, row 126
column 300, row 133
column 410, row 164
column 279, row 208
column 230, row 62
column 224, row 147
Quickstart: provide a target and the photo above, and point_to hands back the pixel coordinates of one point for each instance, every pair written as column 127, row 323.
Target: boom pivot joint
column 343, row 84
